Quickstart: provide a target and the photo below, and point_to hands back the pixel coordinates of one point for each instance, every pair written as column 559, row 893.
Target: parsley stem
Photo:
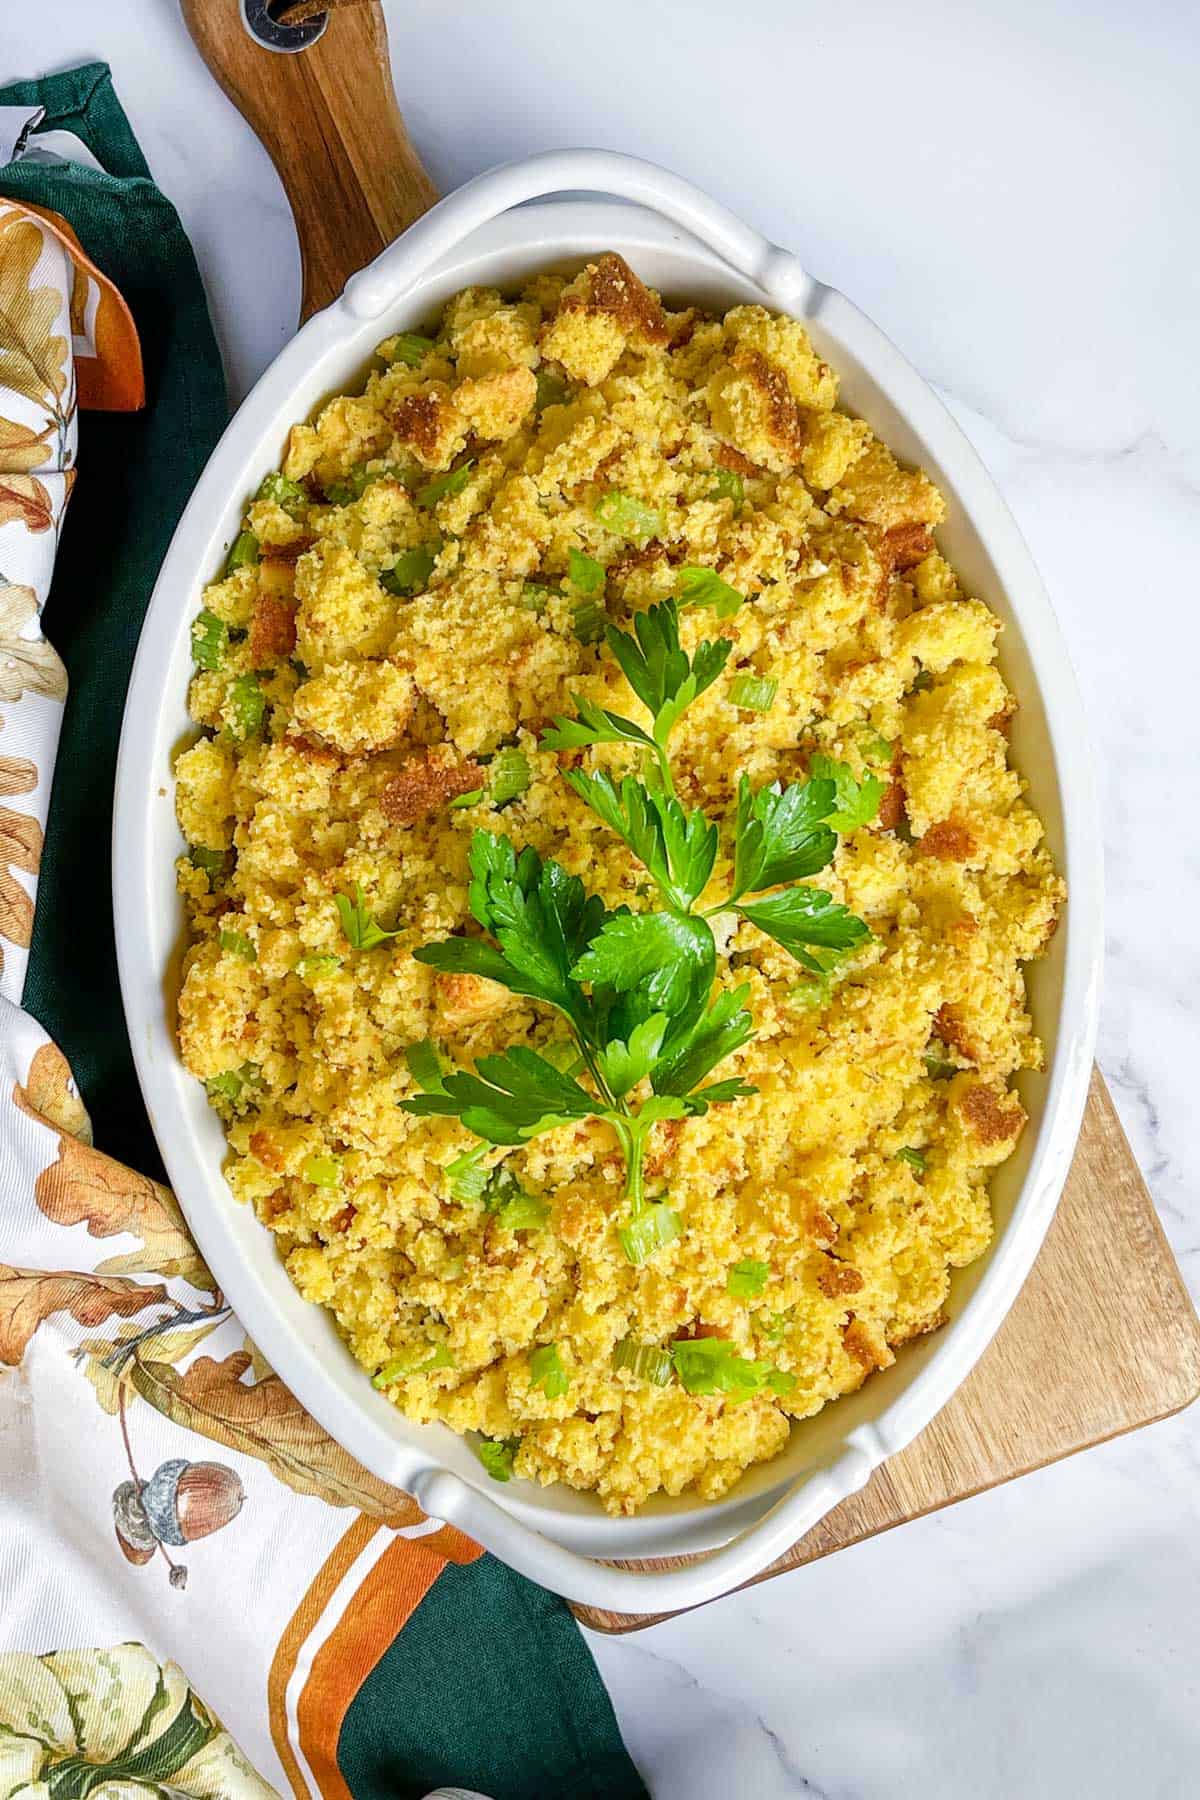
column 664, row 763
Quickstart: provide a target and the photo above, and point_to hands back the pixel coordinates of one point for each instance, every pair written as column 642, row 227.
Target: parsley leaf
column 623, row 1065
column 496, row 1455
column 662, row 675
column 359, row 928
column 540, row 917
column 855, row 803
column 669, row 957
column 801, row 918
column 781, row 834
column 692, row 1053
column 592, row 725
column 704, row 587
column 677, row 847
column 509, row 1099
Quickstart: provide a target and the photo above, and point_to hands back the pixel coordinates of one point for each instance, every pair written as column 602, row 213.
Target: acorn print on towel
column 182, row 1501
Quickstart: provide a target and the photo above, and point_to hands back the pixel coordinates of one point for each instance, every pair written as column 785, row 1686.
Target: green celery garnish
column 546, row 1372
column 322, row 1171
column 713, row 1366
column 628, row 518
column 746, row 1280
column 728, row 485
column 646, row 1362
column 467, row 1176
column 588, row 622
column 247, row 705
column 465, row 800
column 508, row 777
column 648, row 1232
column 236, row 943
column 444, row 485
column 411, row 570
column 753, row 693
column 210, row 640
column 913, row 1158
column 318, row 965
column 412, row 1364
column 585, row 574
column 283, row 491
column 409, row 347
column 211, row 861
column 244, row 551
column 551, row 389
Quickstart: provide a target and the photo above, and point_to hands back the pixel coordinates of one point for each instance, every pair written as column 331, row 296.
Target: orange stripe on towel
column 379, row 1611
column 321, row 1588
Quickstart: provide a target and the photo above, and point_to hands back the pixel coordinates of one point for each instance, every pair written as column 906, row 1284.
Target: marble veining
column 1016, row 204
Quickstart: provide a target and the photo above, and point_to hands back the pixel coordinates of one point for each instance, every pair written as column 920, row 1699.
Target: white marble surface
column 1012, row 190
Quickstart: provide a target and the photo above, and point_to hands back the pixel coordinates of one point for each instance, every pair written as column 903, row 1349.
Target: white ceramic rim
column 539, row 1535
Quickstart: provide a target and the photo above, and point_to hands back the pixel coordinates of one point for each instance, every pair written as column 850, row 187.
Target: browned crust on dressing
column 425, row 784
column 993, row 1117
column 419, row 420
column 272, row 630
column 616, row 290
column 836, row 1279
column 785, row 422
column 734, row 461
column 948, row 841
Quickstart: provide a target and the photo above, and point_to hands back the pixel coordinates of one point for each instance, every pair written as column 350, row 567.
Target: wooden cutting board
column 1103, row 1337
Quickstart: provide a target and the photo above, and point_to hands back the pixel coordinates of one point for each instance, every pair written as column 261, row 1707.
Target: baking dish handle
column 397, row 270
column 651, row 1590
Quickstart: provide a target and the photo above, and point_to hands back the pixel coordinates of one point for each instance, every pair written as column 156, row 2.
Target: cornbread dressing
column 385, row 634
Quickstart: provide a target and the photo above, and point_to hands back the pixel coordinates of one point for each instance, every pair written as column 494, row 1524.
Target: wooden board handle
column 328, row 118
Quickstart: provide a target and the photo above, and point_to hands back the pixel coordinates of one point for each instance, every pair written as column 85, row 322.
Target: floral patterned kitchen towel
column 180, row 1543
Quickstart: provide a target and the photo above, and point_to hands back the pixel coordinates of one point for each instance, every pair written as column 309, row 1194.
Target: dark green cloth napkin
column 491, row 1685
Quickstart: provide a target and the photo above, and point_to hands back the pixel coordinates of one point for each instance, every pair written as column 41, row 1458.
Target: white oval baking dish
column 684, row 244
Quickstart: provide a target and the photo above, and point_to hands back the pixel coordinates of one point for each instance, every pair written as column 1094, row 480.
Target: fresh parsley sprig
column 636, row 989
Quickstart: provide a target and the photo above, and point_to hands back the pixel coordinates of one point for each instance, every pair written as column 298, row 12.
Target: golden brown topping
column 421, row 420
column 272, row 631
column 867, row 1345
column 904, row 1334
column 991, row 1115
column 835, row 1279
column 264, row 1147
column 949, row 842
column 784, row 419
column 734, row 461
column 907, row 544
column 616, row 290
column 290, row 552
column 952, row 1031
column 427, row 783
column 892, row 806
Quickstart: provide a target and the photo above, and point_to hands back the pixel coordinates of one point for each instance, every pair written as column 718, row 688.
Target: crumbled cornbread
column 411, row 614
